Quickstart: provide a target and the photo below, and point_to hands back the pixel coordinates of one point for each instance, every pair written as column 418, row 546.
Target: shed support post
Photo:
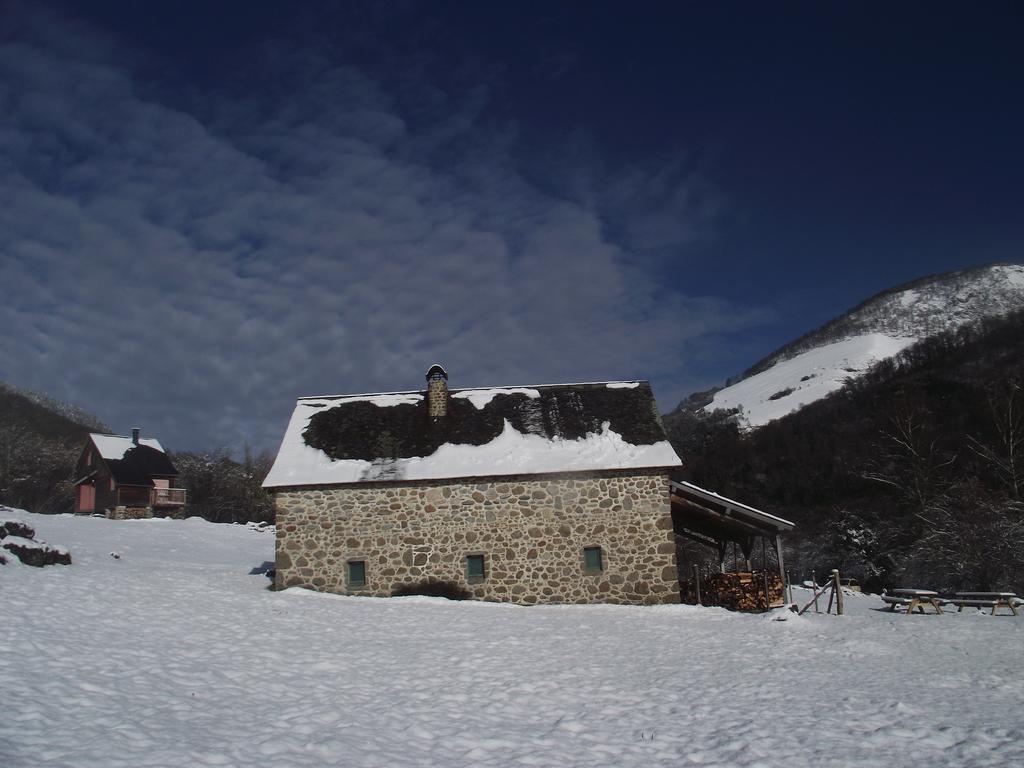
column 747, row 545
column 782, row 568
column 764, row 571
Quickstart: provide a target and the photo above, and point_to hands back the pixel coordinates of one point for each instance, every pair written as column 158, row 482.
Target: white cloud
column 194, row 272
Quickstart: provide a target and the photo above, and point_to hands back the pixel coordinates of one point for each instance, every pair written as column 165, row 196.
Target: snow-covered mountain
column 822, row 361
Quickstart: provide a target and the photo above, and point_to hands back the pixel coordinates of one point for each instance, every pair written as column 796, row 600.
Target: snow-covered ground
column 791, row 384
column 174, row 655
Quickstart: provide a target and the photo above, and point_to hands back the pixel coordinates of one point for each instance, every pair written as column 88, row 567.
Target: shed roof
column 486, row 432
column 723, row 510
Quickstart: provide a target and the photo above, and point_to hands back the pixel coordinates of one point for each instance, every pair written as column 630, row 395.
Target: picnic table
column 994, row 600
column 913, row 599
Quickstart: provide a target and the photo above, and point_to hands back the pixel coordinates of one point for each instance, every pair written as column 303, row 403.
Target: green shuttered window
column 356, row 573
column 593, row 562
column 475, row 567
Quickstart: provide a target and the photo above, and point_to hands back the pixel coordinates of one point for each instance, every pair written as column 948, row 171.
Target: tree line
column 222, row 490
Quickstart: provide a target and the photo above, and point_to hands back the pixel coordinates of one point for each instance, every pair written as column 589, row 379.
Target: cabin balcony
column 168, row 497
column 134, row 496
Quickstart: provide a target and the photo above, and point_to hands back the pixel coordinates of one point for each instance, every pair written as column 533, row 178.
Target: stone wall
column 129, row 513
column 532, row 531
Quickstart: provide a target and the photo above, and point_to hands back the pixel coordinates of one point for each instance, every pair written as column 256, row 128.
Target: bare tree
column 35, row 473
column 223, row 490
column 1005, row 452
column 972, row 542
column 911, row 459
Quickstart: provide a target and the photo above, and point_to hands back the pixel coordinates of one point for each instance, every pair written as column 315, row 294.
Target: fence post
column 696, row 582
column 839, row 592
column 814, row 581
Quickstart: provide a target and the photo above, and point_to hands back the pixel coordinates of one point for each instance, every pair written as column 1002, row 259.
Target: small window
column 593, row 561
column 357, row 573
column 475, row 567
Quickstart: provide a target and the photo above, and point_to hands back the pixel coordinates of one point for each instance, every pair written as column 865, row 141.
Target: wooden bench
column 993, row 600
column 914, row 599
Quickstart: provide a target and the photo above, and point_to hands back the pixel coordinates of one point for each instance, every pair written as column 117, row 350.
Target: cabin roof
column 132, row 464
column 491, row 431
column 114, row 446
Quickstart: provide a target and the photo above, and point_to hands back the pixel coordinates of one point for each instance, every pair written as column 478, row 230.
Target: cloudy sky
column 210, row 209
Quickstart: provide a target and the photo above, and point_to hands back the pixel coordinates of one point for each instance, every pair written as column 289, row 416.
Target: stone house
column 545, row 494
column 126, row 477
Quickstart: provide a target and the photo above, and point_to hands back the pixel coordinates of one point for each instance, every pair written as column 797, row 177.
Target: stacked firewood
column 742, row 591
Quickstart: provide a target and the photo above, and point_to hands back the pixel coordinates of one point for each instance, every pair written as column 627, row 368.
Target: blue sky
column 211, row 209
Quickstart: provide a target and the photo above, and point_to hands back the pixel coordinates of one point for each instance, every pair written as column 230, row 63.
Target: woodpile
column 742, row 591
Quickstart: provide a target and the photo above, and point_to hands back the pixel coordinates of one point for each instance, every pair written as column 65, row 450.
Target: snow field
column 174, row 655
column 811, row 376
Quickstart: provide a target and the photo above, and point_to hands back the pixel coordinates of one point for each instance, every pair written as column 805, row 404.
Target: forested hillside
column 911, row 474
column 39, row 443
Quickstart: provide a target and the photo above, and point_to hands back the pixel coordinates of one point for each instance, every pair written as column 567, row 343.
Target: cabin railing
column 168, row 497
column 128, row 496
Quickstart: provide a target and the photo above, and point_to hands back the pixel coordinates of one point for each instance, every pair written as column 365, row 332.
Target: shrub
column 433, row 588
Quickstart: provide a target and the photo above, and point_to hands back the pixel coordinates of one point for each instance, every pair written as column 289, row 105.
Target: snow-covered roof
column 115, row 446
column 731, row 507
column 132, row 464
column 491, row 431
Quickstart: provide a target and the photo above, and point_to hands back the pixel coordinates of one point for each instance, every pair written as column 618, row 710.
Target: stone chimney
column 135, row 436
column 437, row 391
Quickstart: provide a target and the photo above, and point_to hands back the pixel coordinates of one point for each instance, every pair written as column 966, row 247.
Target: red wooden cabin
column 126, row 477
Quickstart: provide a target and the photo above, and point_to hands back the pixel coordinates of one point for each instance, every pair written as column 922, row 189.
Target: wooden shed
column 742, row 537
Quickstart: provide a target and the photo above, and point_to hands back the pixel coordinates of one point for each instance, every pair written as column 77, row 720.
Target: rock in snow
column 18, row 538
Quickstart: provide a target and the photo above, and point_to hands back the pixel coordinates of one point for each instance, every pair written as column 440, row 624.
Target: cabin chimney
column 135, row 436
column 437, row 391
